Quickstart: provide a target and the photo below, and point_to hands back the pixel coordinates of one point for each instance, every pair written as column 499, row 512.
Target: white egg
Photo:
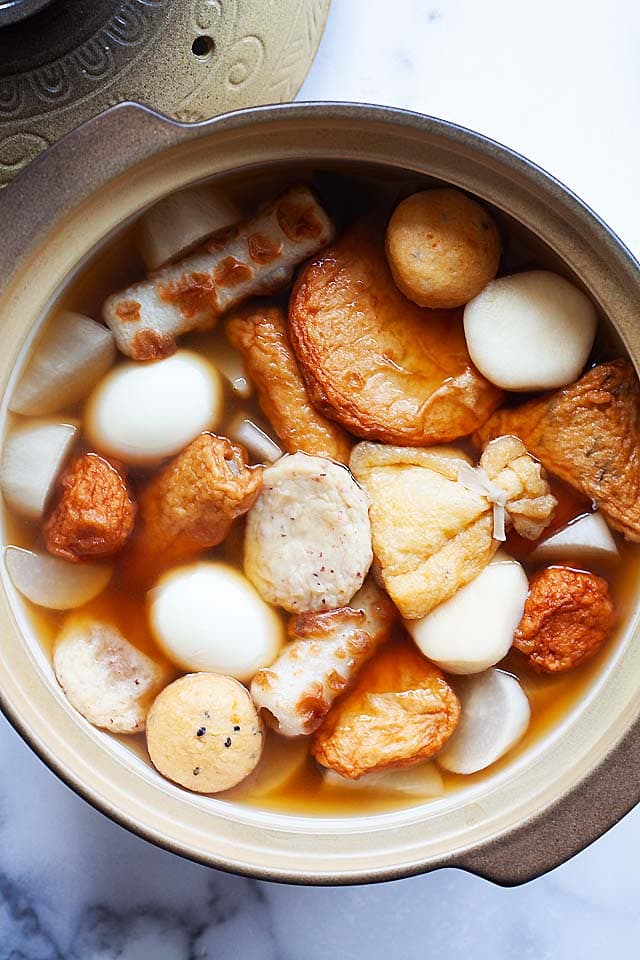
column 207, row 617
column 530, row 331
column 474, row 629
column 495, row 715
column 582, row 541
column 143, row 412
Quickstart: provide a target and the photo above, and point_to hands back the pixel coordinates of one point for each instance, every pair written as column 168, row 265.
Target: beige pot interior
column 525, row 818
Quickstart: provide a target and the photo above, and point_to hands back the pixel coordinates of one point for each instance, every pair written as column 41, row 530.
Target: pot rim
column 587, row 800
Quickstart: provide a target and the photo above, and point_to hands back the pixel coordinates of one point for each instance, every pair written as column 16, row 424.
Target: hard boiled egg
column 495, row 715
column 530, row 331
column 474, row 629
column 207, row 616
column 143, row 412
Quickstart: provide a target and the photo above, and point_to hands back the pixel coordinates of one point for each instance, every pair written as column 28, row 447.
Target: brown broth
column 287, row 780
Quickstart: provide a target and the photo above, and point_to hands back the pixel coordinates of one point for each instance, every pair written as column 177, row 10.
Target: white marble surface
column 559, row 81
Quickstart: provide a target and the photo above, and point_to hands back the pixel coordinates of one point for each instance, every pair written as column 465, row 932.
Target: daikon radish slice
column 231, row 366
column 585, row 540
column 52, row 582
column 207, row 616
column 33, row 455
column 178, row 223
column 474, row 629
column 69, row 358
column 281, row 760
column 261, row 447
column 143, row 412
column 495, row 716
column 530, row 331
column 422, row 780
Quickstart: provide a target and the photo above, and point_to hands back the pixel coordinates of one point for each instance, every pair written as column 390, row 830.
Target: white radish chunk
column 261, row 447
column 52, row 582
column 530, row 331
column 108, row 680
column 474, row 629
column 68, row 360
column 231, row 365
column 495, row 715
column 208, row 617
column 33, row 455
column 584, row 540
column 281, row 760
column 143, row 412
column 178, row 223
column 422, row 780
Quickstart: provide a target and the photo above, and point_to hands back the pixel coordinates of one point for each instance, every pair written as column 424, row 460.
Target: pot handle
column 545, row 841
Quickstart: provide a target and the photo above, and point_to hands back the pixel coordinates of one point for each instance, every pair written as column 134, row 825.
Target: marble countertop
column 557, row 80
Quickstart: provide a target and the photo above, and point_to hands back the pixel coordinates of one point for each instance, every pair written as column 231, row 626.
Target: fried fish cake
column 442, row 247
column 261, row 337
column 588, row 434
column 373, row 361
column 400, row 711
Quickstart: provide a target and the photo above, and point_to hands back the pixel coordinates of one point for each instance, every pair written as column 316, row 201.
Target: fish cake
column 204, row 732
column 400, row 711
column 443, row 248
column 382, row 367
column 308, row 537
column 261, row 337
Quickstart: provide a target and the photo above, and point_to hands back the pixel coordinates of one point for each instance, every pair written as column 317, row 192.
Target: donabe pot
column 545, row 806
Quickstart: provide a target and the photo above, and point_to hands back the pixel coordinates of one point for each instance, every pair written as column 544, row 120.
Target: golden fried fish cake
column 401, row 710
column 373, row 361
column 261, row 337
column 588, row 434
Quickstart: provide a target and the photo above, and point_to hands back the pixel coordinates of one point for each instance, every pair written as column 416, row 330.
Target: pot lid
column 63, row 61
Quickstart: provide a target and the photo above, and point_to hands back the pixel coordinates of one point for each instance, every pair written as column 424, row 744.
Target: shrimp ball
column 442, row 248
column 144, row 412
column 207, row 616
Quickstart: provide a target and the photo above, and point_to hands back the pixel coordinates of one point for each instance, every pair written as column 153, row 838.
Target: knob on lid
column 63, row 61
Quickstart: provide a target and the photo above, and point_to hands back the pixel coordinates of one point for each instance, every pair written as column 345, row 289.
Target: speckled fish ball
column 204, row 732
column 530, row 331
column 442, row 248
column 207, row 616
column 143, row 412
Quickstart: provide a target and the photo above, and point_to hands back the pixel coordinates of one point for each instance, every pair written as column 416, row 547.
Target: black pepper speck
column 196, row 771
column 227, row 742
column 201, row 731
column 236, row 729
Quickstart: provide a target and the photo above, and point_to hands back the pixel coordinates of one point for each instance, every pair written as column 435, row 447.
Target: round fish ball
column 442, row 248
column 204, row 732
column 207, row 616
column 143, row 412
column 475, row 628
column 530, row 331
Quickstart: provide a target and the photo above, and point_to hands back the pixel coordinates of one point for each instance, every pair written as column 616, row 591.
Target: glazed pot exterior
column 554, row 799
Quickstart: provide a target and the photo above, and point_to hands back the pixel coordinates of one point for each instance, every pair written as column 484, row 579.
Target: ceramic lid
column 190, row 59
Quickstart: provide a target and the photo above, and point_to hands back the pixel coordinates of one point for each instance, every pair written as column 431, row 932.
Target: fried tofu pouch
column 260, row 335
column 191, row 503
column 382, row 367
column 325, row 654
column 400, row 711
column 431, row 533
column 254, row 258
column 588, row 434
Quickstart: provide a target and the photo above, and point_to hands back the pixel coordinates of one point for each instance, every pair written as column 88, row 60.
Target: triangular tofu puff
column 432, row 533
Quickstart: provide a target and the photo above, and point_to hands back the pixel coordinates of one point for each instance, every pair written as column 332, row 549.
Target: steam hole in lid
column 202, row 47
